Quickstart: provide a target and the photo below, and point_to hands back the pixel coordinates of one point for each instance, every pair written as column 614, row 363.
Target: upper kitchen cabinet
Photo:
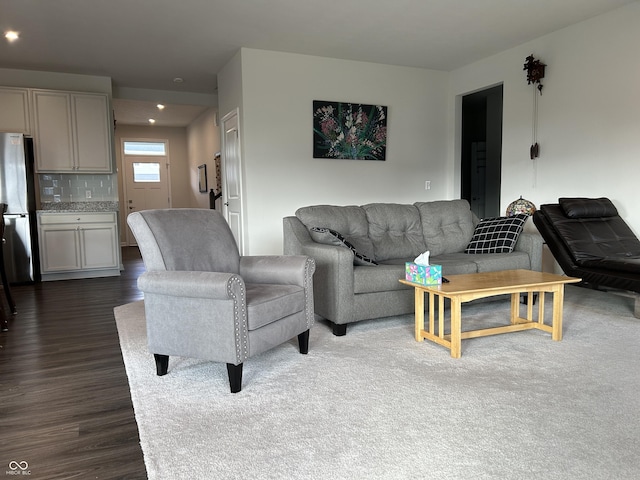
column 14, row 113
column 72, row 132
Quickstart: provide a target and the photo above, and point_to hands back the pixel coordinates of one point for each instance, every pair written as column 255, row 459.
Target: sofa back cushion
column 447, row 225
column 394, row 230
column 349, row 221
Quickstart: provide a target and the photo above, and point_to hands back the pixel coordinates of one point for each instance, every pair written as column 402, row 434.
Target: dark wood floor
column 65, row 406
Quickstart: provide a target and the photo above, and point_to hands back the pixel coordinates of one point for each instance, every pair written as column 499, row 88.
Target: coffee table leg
column 558, row 300
column 515, row 307
column 419, row 309
column 456, row 328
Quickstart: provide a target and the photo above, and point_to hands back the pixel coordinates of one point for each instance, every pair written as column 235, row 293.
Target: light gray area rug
column 376, row 404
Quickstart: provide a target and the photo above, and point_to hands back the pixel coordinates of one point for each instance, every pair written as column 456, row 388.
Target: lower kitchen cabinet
column 78, row 245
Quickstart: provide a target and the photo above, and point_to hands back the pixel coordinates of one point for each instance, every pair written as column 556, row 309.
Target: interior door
column 147, row 185
column 232, row 175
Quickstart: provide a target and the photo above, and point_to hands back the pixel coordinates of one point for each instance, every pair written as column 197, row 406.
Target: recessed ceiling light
column 152, row 121
column 160, row 106
column 178, row 80
column 11, row 35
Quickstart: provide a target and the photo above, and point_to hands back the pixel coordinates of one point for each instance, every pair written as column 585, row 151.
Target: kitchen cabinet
column 72, row 132
column 78, row 245
column 14, row 110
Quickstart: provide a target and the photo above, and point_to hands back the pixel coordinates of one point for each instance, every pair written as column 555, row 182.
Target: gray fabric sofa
column 391, row 234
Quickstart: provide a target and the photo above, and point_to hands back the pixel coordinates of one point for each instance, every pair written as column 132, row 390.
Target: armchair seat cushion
column 268, row 303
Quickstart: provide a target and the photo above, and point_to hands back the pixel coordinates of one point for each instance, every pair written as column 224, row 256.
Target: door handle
column 226, row 204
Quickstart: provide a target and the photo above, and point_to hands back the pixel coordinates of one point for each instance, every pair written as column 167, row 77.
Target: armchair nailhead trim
column 309, row 303
column 239, row 319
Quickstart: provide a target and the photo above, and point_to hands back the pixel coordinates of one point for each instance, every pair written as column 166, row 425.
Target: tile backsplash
column 78, row 188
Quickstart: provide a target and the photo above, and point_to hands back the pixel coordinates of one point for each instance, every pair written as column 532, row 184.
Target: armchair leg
column 235, row 377
column 303, row 342
column 162, row 364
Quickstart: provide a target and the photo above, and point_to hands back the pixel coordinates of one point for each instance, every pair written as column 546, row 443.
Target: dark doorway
column 481, row 149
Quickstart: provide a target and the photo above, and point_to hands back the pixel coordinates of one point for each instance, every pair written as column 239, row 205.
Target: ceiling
column 147, row 44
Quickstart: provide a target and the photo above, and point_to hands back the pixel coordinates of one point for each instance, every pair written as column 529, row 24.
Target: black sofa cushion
column 623, row 264
column 587, row 207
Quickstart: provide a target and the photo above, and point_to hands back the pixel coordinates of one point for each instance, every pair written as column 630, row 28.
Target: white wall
column 280, row 172
column 589, row 113
column 203, row 142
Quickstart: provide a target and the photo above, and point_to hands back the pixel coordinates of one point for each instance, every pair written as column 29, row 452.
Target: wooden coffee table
column 464, row 288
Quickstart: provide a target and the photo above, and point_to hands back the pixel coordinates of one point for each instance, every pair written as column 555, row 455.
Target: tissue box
column 423, row 274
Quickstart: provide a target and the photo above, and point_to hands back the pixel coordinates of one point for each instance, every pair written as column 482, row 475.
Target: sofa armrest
column 333, row 278
column 531, row 243
column 333, row 281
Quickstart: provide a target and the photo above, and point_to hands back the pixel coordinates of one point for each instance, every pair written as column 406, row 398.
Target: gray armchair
column 203, row 300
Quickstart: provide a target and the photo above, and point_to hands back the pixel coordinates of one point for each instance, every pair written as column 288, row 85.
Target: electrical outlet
column 427, row 185
column 87, row 193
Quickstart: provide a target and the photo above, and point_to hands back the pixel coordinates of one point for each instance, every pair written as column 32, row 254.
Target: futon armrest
column 277, row 269
column 214, row 285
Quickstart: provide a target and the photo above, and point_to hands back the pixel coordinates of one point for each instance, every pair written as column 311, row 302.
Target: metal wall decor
column 535, row 73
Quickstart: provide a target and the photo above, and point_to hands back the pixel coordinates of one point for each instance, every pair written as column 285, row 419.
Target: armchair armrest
column 277, row 269
column 212, row 285
column 207, row 308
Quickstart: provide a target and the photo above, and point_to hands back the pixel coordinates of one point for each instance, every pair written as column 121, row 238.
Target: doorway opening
column 481, row 151
column 146, row 177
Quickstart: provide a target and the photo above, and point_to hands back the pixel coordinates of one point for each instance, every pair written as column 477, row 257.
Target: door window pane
column 146, row 172
column 144, row 148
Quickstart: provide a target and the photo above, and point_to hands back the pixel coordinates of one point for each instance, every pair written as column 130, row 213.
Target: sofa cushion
column 496, row 235
column 494, row 262
column 620, row 263
column 447, row 225
column 395, row 230
column 349, row 220
column 455, row 263
column 383, row 278
column 331, row 237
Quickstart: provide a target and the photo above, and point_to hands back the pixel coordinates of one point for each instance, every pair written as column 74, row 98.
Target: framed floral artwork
column 349, row 131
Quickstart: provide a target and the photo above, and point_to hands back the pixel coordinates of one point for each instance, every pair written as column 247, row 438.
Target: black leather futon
column 591, row 241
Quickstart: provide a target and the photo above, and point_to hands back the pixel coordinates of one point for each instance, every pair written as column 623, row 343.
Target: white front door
column 146, row 184
column 232, row 175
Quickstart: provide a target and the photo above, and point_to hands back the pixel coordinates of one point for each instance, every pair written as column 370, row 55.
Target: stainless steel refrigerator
column 17, row 190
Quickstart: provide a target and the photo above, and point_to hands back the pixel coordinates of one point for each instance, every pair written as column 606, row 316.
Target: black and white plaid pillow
column 496, row 235
column 331, row 237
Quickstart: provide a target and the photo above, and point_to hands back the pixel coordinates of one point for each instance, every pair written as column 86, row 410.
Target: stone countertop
column 79, row 207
